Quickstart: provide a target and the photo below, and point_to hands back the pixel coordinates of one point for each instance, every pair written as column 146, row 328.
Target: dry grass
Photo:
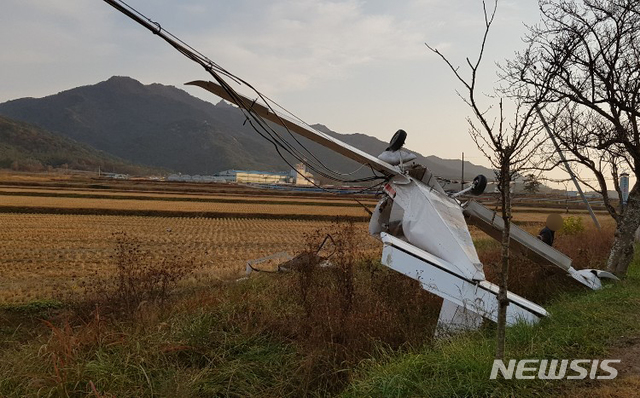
column 249, row 338
column 293, row 334
column 587, row 249
column 534, row 221
column 286, row 334
column 540, row 215
column 44, row 256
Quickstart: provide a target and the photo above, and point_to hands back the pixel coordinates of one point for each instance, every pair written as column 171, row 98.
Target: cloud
column 54, row 45
column 290, row 45
column 44, row 32
column 280, row 46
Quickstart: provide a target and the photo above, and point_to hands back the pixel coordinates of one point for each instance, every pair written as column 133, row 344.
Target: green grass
column 190, row 353
column 581, row 325
column 38, row 307
column 22, row 322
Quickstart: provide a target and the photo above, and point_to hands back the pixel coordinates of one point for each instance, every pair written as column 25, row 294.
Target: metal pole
column 462, row 178
column 566, row 165
column 624, row 188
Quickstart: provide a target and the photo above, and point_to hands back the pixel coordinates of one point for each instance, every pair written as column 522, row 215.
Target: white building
column 195, row 178
column 301, row 176
column 256, row 177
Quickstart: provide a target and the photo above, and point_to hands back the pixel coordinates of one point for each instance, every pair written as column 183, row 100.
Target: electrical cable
column 256, row 121
column 215, row 70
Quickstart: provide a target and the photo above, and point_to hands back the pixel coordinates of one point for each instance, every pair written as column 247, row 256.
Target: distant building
column 116, row 176
column 195, row 178
column 256, row 177
column 301, row 176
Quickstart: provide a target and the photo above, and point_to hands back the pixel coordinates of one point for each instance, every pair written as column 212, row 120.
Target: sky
column 355, row 66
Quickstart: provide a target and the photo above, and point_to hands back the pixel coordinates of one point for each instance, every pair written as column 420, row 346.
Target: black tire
column 479, row 184
column 397, row 141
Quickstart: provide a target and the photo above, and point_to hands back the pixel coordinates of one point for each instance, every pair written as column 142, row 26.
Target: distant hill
column 162, row 126
column 29, row 148
column 446, row 168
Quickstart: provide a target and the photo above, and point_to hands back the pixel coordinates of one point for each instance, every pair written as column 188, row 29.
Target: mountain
column 163, row 126
column 446, row 168
column 29, row 148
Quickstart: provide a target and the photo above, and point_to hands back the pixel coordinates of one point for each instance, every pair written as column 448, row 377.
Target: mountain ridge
column 164, row 126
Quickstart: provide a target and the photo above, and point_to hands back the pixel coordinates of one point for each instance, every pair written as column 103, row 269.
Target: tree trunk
column 623, row 244
column 503, row 302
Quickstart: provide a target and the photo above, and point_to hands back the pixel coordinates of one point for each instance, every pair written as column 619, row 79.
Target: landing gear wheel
column 397, row 141
column 478, row 185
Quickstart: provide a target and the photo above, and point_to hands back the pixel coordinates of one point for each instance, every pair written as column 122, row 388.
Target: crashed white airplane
column 425, row 233
column 423, row 229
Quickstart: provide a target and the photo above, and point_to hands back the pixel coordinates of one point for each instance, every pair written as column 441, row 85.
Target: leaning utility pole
column 566, row 165
column 462, row 177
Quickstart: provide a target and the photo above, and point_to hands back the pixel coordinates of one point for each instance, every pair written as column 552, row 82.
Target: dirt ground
column 627, row 384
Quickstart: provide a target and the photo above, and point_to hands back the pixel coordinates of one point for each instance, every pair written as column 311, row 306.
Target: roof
column 279, row 173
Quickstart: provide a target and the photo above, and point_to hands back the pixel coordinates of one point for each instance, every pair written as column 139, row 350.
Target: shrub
column 588, row 248
column 139, row 278
column 336, row 315
column 572, row 225
column 538, row 283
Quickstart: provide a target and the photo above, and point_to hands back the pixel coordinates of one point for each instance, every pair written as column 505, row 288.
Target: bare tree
column 507, row 144
column 583, row 61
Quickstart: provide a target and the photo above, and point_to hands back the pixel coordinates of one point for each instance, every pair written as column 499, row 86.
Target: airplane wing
column 304, row 131
column 530, row 246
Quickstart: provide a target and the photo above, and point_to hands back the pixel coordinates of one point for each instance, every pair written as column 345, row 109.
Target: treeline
column 24, row 147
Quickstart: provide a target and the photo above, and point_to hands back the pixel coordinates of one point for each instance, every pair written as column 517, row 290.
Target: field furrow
column 184, row 206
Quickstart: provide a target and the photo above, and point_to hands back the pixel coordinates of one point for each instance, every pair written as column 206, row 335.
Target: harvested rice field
column 56, row 238
column 43, row 255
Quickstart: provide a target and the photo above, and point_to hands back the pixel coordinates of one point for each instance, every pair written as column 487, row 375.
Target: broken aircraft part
column 444, row 280
column 528, row 245
column 397, row 158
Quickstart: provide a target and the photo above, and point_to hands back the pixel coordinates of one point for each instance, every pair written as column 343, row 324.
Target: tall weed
column 139, row 278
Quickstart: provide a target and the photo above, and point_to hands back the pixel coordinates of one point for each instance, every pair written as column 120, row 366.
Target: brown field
column 187, row 196
column 43, row 255
column 184, row 206
column 13, row 176
column 51, row 255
